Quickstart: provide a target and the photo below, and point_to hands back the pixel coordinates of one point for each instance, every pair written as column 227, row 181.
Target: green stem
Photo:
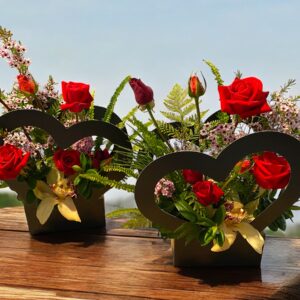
column 229, row 180
column 157, row 128
column 198, row 110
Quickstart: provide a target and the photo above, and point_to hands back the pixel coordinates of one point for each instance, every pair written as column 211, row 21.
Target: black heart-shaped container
column 240, row 253
column 91, row 211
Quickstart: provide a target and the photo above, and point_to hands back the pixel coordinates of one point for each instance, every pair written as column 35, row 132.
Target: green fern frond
column 121, row 169
column 188, row 109
column 215, row 71
column 179, row 105
column 167, row 129
column 151, row 142
column 95, row 177
column 172, row 116
column 114, row 99
column 132, row 112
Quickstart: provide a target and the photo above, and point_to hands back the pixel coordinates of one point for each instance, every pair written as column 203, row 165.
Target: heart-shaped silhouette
column 91, row 212
column 218, row 169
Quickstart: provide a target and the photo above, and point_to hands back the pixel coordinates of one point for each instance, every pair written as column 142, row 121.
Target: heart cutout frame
column 64, row 137
column 218, row 169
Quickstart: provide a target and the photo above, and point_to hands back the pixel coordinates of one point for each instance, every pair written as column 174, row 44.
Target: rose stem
column 198, row 110
column 157, row 127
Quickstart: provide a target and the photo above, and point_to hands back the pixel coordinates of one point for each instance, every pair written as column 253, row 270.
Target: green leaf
column 281, row 223
column 185, row 230
column 182, row 205
column 77, row 168
column 30, row 197
column 202, row 221
column 295, row 207
column 77, row 180
column 83, row 161
column 210, row 235
column 188, row 215
column 31, row 181
column 39, row 135
column 219, row 215
column 220, row 238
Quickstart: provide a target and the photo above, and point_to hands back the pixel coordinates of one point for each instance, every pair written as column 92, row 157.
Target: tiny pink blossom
column 164, row 188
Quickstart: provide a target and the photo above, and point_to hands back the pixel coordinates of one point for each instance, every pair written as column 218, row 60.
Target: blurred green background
column 8, row 199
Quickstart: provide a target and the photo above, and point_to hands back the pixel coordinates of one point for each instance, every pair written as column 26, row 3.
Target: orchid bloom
column 237, row 221
column 57, row 191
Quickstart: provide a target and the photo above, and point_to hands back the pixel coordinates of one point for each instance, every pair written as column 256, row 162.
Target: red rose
column 12, row 161
column 26, row 84
column 65, row 159
column 76, row 96
column 271, row 171
column 143, row 93
column 244, row 97
column 207, row 192
column 243, row 166
column 98, row 157
column 192, row 176
column 195, row 88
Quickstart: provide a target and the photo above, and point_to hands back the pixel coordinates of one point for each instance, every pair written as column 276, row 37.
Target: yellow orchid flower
column 238, row 221
column 57, row 191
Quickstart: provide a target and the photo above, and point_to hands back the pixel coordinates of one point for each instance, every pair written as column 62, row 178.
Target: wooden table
column 129, row 264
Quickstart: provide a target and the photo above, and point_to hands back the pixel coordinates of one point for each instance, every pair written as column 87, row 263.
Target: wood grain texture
column 130, row 264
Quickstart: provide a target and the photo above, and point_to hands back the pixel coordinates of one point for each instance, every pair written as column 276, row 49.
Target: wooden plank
column 13, row 293
column 13, row 219
column 139, row 267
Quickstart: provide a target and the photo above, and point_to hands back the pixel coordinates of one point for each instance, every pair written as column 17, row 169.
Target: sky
column 162, row 42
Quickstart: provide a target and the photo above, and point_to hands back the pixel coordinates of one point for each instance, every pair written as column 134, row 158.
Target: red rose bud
column 76, row 96
column 271, row 171
column 12, row 161
column 98, row 157
column 196, row 88
column 65, row 160
column 207, row 192
column 143, row 93
column 26, row 84
column 244, row 97
column 192, row 176
column 243, row 166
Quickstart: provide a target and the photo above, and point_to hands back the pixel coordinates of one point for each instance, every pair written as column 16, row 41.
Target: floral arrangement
column 54, row 176
column 215, row 212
